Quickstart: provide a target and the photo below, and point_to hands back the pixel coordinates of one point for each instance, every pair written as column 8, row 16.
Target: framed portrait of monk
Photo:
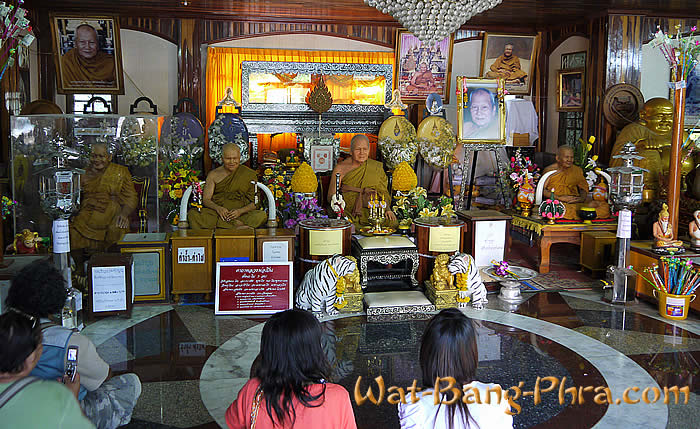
column 87, row 54
column 510, row 57
column 481, row 113
column 422, row 70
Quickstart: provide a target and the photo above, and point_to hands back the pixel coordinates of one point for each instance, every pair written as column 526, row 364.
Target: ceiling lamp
column 432, row 20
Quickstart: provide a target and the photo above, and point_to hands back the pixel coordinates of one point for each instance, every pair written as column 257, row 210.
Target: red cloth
column 335, row 412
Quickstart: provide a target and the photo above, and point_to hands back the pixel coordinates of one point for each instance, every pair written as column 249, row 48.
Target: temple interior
column 193, row 167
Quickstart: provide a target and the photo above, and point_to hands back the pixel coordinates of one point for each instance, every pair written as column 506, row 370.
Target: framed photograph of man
column 570, row 91
column 87, row 54
column 510, row 57
column 481, row 114
column 422, row 70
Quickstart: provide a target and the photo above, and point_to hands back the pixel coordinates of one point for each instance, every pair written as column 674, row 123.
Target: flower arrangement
column 137, row 148
column 174, row 178
column 301, row 208
column 522, row 170
column 16, row 31
column 681, row 53
column 552, row 209
column 291, row 207
column 415, row 204
column 181, row 143
column 7, row 205
column 589, row 164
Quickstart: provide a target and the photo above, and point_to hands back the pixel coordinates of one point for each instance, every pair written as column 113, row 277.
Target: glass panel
column 133, row 141
column 292, row 88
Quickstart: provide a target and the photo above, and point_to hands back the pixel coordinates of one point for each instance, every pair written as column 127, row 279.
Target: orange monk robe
column 422, row 81
column 571, row 182
column 359, row 185
column 96, row 72
column 511, row 66
column 233, row 192
column 103, row 197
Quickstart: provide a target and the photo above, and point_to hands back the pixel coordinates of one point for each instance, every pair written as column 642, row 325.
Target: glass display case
column 133, row 142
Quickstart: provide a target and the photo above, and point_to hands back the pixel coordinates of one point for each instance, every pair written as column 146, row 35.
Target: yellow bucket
column 674, row 307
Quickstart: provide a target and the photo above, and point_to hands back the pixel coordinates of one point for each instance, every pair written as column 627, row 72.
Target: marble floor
column 193, row 363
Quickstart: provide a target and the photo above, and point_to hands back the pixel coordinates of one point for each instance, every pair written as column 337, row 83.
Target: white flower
column 591, row 178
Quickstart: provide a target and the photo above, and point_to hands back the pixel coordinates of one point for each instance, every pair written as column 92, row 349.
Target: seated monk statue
column 570, row 186
column 360, row 179
column 663, row 231
column 652, row 137
column 228, row 196
column 422, row 80
column 108, row 198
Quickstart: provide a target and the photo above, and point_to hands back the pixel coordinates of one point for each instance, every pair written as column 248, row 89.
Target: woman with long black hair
column 448, row 349
column 288, row 387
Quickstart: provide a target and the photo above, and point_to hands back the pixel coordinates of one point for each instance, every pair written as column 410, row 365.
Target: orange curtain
column 224, row 67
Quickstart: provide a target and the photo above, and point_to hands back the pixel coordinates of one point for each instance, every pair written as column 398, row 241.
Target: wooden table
column 641, row 256
column 546, row 235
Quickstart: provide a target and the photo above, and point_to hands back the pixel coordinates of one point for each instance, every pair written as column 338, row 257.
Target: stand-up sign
column 253, row 287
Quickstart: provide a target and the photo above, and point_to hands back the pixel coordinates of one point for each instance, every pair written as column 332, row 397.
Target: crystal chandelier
column 432, row 20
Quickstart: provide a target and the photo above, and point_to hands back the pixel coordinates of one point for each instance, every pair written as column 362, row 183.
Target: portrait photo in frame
column 510, row 57
column 570, row 90
column 87, row 54
column 481, row 114
column 692, row 99
column 422, row 70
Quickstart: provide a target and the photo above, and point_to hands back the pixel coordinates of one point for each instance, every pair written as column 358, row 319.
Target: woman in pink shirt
column 289, row 387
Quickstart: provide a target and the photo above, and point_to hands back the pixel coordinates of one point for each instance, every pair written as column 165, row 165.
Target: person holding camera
column 29, row 402
column 38, row 290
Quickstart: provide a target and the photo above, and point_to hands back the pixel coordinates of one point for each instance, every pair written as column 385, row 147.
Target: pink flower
column 693, row 28
column 512, row 159
column 549, row 215
column 556, row 201
column 548, row 201
column 527, row 158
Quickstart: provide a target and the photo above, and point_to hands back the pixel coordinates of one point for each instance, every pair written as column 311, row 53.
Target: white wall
column 572, row 44
column 150, row 69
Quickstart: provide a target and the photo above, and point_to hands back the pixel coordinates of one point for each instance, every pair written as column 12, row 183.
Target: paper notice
column 624, row 224
column 108, row 289
column 325, row 242
column 61, row 236
column 489, row 241
column 275, row 251
column 190, row 255
column 444, row 238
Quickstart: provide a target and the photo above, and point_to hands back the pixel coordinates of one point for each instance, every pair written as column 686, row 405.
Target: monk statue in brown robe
column 360, row 179
column 663, row 232
column 570, row 186
column 228, row 196
column 108, row 198
column 507, row 66
column 85, row 66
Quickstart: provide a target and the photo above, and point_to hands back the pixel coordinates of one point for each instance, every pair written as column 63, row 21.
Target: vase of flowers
column 174, row 178
column 524, row 175
column 414, row 204
column 552, row 209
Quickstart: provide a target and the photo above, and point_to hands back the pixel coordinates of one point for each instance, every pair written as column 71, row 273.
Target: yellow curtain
column 224, row 67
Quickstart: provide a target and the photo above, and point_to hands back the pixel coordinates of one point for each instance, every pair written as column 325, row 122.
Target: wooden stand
column 267, row 235
column 101, row 292
column 475, row 245
column 235, row 243
column 191, row 277
column 311, row 256
column 423, row 239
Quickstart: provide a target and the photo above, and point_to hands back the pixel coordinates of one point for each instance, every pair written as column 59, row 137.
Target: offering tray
column 521, row 273
column 367, row 231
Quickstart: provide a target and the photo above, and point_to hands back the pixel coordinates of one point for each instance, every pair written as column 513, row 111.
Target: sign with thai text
column 253, row 287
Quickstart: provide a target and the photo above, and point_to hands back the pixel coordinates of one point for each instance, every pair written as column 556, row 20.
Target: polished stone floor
column 193, row 363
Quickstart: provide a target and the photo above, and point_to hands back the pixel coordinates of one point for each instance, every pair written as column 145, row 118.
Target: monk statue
column 228, row 196
column 86, row 66
column 422, row 80
column 507, row 66
column 570, row 186
column 652, row 137
column 108, row 198
column 361, row 178
column 663, row 233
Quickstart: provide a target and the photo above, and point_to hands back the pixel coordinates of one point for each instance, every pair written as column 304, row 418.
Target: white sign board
column 624, row 224
column 489, row 241
column 190, row 255
column 61, row 236
column 108, row 289
column 275, row 251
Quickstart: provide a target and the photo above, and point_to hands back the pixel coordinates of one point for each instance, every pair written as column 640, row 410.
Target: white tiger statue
column 467, row 280
column 317, row 290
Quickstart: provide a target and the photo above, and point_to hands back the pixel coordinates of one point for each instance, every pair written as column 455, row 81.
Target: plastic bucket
column 674, row 307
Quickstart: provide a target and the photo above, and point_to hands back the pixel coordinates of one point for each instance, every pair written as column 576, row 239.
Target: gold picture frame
column 412, row 54
column 96, row 65
column 520, row 60
column 570, row 87
column 481, row 112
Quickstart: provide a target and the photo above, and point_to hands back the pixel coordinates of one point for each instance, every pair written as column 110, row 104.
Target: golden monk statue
column 507, row 66
column 441, row 278
column 108, row 198
column 85, row 66
column 570, row 186
column 361, row 178
column 228, row 196
column 663, row 232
